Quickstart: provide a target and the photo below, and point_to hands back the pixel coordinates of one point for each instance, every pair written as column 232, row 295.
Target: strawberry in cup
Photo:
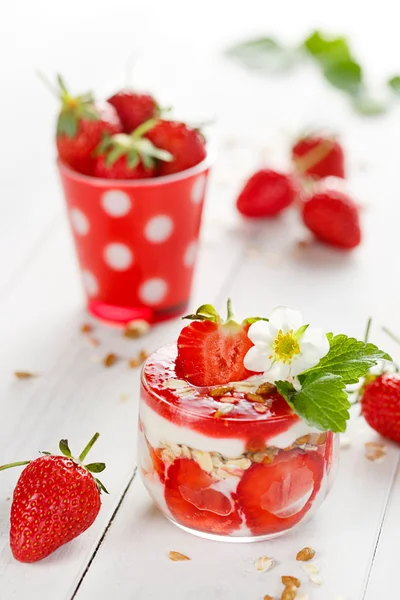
column 239, row 422
column 134, row 185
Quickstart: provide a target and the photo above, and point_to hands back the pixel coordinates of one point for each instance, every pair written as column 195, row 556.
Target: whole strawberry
column 134, row 109
column 380, row 405
column 55, row 500
column 333, row 218
column 123, row 156
column 81, row 125
column 186, row 145
column 318, row 157
column 266, row 194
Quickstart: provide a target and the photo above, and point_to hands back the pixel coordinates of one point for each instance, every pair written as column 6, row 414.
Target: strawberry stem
column 87, row 448
column 391, row 334
column 367, row 330
column 231, row 314
column 16, row 464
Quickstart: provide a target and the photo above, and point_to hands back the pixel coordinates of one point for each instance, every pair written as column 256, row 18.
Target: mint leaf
column 368, row 106
column 263, row 54
column 322, row 401
column 394, row 84
column 347, row 357
column 346, row 75
column 327, row 50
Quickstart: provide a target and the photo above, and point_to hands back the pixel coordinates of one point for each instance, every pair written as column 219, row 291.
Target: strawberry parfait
column 239, row 423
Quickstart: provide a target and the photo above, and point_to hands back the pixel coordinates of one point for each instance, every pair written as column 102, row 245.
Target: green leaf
column 263, row 54
column 322, row 401
column 95, row 467
column 206, row 312
column 368, row 106
column 251, row 320
column 346, row 75
column 347, row 357
column 101, row 486
column 63, row 445
column 327, row 50
column 394, row 84
column 67, row 124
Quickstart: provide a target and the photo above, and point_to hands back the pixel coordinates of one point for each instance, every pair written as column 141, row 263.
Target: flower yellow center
column 285, row 346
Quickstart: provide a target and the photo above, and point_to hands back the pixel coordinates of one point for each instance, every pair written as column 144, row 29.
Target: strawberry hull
column 239, row 474
column 136, row 241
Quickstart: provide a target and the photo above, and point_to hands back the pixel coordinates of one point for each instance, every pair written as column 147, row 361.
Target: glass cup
column 136, row 241
column 227, row 475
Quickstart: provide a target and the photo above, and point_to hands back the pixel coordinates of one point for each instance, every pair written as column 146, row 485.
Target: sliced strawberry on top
column 210, row 351
column 275, row 496
column 193, row 503
column 133, row 108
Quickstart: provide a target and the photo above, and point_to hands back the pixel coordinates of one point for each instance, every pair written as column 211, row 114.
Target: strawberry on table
column 380, row 404
column 266, row 194
column 318, row 157
column 56, row 499
column 81, row 125
column 186, row 145
column 333, row 218
column 211, row 351
column 133, row 108
column 123, row 156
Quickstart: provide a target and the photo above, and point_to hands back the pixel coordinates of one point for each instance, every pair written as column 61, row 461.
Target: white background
column 176, row 48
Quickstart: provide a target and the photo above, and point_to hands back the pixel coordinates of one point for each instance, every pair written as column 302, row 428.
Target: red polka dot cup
column 136, row 241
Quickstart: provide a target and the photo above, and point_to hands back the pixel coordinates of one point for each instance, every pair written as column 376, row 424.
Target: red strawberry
column 134, row 109
column 266, row 194
column 380, row 405
column 319, row 157
column 81, row 125
column 55, row 500
column 194, row 503
column 333, row 218
column 186, row 145
column 211, row 352
column 133, row 156
column 275, row 496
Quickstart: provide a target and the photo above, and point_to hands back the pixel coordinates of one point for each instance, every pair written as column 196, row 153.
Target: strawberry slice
column 210, row 351
column 158, row 464
column 276, row 496
column 194, row 503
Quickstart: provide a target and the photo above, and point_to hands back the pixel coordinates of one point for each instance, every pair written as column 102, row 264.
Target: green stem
column 16, row 464
column 231, row 314
column 367, row 330
column 87, row 448
column 392, row 335
column 143, row 128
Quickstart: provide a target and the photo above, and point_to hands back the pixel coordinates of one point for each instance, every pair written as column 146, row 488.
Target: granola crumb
column 25, row 374
column 304, row 439
column 317, row 579
column 268, row 597
column 266, row 388
column 263, row 564
column 260, row 408
column 136, row 329
column 134, row 363
column 344, row 442
column 86, row 328
column 305, row 554
column 110, row 359
column 223, row 410
column 375, row 451
column 92, row 341
column 177, row 556
column 302, row 596
column 255, row 398
column 143, row 355
column 289, row 593
column 289, row 580
column 321, row 438
column 221, row 391
column 310, row 568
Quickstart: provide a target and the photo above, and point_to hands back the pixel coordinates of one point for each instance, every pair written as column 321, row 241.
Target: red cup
column 136, row 241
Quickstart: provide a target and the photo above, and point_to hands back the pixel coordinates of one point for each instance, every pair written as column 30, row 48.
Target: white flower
column 283, row 346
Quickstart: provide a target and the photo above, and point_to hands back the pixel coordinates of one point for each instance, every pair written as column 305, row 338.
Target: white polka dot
column 116, row 203
column 118, row 256
column 190, row 254
column 158, row 229
column 79, row 221
column 90, row 283
column 153, row 291
column 198, row 189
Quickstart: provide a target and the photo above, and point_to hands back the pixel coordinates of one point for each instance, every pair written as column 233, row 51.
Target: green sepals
column 327, row 50
column 394, row 84
column 346, row 75
column 64, row 448
column 45, row 453
column 251, row 320
column 67, row 124
column 95, row 467
column 206, row 312
column 321, row 402
column 100, row 486
column 263, row 54
column 300, row 332
column 348, row 358
column 73, row 108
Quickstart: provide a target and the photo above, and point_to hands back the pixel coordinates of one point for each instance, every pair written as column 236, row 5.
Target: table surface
column 176, row 49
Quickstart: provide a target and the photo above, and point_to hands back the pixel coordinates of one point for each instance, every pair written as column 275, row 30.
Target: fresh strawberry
column 380, row 405
column 210, row 351
column 194, row 503
column 55, row 500
column 134, row 109
column 266, row 194
column 186, row 145
column 123, row 156
column 275, row 496
column 81, row 125
column 333, row 218
column 318, row 157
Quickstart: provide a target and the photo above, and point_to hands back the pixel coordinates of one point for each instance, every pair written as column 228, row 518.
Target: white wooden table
column 125, row 553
